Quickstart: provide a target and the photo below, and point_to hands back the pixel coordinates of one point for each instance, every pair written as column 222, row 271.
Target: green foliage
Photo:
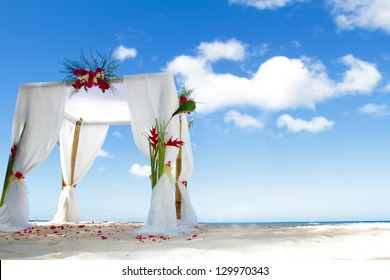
column 95, row 61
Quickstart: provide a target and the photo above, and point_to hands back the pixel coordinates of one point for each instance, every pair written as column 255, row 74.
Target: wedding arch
column 48, row 112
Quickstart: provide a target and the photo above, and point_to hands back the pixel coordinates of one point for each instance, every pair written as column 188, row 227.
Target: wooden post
column 75, row 146
column 178, row 171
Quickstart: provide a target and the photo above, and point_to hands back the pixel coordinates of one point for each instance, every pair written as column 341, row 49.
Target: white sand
column 359, row 241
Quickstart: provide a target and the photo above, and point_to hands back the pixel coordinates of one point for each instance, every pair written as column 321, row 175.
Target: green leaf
column 187, row 106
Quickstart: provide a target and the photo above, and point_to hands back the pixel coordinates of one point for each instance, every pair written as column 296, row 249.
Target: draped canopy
column 48, row 112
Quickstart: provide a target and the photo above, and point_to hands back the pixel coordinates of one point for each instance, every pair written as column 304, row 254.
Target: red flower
column 83, row 72
column 153, row 137
column 183, row 99
column 89, row 84
column 175, row 143
column 19, row 175
column 78, row 84
column 103, row 84
column 103, row 237
column 14, row 149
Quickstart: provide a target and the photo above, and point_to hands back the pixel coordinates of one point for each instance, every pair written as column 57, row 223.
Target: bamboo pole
column 75, row 145
column 178, row 171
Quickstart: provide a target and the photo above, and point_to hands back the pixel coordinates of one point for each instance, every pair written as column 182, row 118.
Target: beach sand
column 114, row 240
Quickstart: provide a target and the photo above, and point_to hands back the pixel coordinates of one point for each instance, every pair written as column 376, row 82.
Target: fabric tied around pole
column 68, row 206
column 158, row 101
column 89, row 142
column 14, row 213
column 38, row 115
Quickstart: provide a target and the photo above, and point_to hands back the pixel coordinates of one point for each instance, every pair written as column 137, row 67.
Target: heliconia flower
column 13, row 151
column 175, row 143
column 153, row 137
column 183, row 99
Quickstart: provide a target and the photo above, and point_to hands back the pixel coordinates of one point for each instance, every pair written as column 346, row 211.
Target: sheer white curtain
column 152, row 97
column 90, row 141
column 41, row 108
column 188, row 214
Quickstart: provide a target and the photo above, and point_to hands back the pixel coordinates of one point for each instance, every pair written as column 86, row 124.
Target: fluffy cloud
column 264, row 4
column 369, row 14
column 231, row 50
column 138, row 170
column 117, row 134
column 315, row 125
column 104, row 154
column 279, row 83
column 121, row 53
column 360, row 77
column 242, row 120
column 378, row 110
column 387, row 88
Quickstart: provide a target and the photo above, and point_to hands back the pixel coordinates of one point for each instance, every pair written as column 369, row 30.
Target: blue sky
column 294, row 102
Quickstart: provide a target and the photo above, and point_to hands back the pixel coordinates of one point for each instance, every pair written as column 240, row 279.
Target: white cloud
column 231, row 50
column 121, row 53
column 360, row 77
column 138, row 170
column 369, row 14
column 104, row 154
column 242, row 120
column 387, row 88
column 315, row 125
column 296, row 44
column 117, row 134
column 378, row 110
column 280, row 82
column 264, row 4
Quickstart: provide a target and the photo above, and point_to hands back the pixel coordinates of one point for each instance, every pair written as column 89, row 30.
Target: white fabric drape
column 90, row 141
column 188, row 214
column 152, row 97
column 41, row 108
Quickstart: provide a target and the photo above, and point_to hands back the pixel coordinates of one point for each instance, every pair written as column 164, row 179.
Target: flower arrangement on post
column 10, row 165
column 87, row 73
column 158, row 143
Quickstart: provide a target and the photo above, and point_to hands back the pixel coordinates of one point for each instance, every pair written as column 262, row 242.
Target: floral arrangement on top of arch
column 96, row 71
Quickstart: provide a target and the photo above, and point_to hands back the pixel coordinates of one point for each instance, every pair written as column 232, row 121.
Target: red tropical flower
column 19, row 175
column 183, row 99
column 13, row 151
column 175, row 143
column 103, row 84
column 153, row 137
